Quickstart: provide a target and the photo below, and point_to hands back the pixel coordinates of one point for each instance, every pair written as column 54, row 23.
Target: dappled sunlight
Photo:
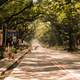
column 2, row 69
column 11, row 78
column 44, row 64
column 19, row 71
column 37, row 47
column 64, row 56
column 46, row 34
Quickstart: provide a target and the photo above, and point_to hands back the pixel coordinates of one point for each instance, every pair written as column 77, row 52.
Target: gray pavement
column 45, row 64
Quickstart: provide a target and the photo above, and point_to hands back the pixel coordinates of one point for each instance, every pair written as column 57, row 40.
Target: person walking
column 14, row 44
column 14, row 41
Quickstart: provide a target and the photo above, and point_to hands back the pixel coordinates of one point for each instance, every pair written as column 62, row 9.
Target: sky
column 34, row 0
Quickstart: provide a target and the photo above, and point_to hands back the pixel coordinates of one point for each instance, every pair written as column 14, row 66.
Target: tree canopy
column 63, row 15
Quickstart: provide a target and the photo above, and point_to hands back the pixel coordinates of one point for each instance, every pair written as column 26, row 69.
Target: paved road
column 45, row 64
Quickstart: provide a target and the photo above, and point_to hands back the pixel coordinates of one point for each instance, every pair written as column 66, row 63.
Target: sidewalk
column 5, row 64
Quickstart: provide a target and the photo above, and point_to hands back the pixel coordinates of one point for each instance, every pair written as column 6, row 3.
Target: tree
column 2, row 2
column 12, row 14
column 61, row 14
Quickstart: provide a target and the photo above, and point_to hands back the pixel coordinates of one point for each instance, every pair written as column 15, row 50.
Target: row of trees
column 64, row 17
column 60, row 17
column 15, row 15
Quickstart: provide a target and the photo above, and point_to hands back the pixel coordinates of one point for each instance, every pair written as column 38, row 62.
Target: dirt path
column 45, row 64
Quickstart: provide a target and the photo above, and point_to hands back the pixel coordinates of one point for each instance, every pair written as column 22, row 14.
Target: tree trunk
column 71, row 40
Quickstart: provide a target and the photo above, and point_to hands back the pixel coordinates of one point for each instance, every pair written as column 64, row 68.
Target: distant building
column 11, row 33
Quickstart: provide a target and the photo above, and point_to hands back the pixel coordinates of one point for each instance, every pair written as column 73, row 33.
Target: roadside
column 46, row 64
column 7, row 63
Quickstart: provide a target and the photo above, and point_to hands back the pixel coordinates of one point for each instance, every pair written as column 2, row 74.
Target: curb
column 16, row 62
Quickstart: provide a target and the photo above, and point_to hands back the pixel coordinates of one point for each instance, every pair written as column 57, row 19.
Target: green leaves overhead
column 60, row 8
column 13, row 7
column 63, row 15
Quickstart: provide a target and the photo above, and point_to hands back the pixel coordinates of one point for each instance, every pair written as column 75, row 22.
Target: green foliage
column 14, row 50
column 63, row 15
column 66, row 20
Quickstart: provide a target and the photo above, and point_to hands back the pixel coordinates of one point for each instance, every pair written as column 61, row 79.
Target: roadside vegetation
column 53, row 22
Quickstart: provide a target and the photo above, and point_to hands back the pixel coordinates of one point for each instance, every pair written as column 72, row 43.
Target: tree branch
column 2, row 2
column 13, row 15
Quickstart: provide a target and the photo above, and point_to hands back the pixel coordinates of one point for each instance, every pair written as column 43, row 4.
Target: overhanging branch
column 3, row 2
column 13, row 15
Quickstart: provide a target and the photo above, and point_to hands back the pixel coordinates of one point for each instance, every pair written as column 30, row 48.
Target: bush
column 14, row 50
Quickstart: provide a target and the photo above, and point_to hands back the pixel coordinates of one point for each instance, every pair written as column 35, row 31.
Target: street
column 39, row 39
column 46, row 64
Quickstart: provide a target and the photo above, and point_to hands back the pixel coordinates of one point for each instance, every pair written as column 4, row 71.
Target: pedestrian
column 9, row 41
column 14, row 41
column 9, row 53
